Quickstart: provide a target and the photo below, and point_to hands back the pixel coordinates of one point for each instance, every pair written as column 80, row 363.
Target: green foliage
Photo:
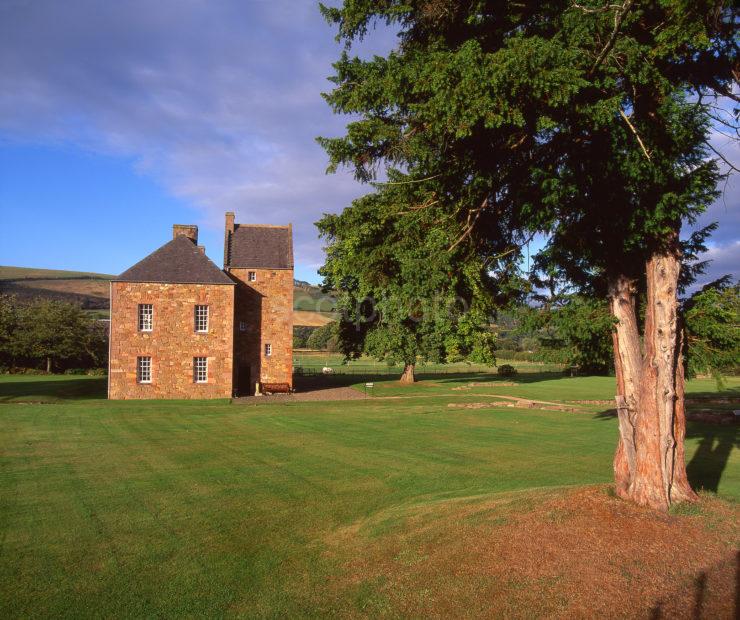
column 576, row 332
column 57, row 334
column 510, row 119
column 8, row 326
column 712, row 320
column 402, row 296
column 324, row 338
column 301, row 334
column 507, row 370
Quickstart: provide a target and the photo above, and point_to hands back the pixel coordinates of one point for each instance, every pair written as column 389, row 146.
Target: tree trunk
column 649, row 464
column 48, row 364
column 627, row 365
column 408, row 374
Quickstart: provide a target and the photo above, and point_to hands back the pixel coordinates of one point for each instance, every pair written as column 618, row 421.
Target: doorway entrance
column 244, row 380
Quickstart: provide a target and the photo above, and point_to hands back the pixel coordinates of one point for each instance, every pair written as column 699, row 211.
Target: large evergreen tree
column 585, row 120
column 401, row 295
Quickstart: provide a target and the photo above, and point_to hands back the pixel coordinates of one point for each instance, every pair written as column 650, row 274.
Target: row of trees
column 578, row 331
column 48, row 334
column 324, row 338
column 588, row 122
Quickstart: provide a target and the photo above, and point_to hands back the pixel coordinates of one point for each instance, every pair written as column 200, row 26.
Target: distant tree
column 576, row 332
column 324, row 338
column 712, row 318
column 301, row 334
column 8, row 327
column 401, row 297
column 57, row 332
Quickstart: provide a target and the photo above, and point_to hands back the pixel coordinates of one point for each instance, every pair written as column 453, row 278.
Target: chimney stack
column 185, row 230
column 228, row 233
column 202, row 249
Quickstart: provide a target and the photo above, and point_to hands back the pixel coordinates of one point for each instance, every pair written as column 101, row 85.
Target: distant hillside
column 90, row 290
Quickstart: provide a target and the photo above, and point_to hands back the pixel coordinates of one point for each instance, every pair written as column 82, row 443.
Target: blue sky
column 118, row 119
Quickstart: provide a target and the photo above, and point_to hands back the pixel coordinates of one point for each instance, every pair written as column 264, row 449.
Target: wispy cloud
column 218, row 100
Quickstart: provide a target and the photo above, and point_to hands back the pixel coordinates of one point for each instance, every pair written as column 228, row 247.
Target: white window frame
column 252, row 276
column 146, row 311
column 242, row 326
column 200, row 370
column 198, row 318
column 143, row 369
column 268, row 349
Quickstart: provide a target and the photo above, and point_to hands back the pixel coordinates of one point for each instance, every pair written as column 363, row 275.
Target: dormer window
column 201, row 319
column 146, row 317
column 252, row 276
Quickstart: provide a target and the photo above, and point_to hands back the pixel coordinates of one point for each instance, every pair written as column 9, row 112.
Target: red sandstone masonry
column 266, row 307
column 173, row 342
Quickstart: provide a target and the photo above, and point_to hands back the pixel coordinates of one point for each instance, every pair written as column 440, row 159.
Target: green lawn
column 207, row 508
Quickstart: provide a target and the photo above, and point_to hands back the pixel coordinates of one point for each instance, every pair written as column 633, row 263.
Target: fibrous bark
column 628, row 364
column 649, row 464
column 408, row 374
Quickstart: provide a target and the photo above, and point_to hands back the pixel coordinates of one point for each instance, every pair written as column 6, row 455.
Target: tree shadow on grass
column 322, row 382
column 702, row 595
column 709, row 461
column 46, row 390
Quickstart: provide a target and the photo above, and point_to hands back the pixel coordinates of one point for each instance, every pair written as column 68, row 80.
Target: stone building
column 183, row 328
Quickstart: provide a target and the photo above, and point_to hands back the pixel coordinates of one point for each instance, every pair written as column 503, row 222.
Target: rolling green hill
column 90, row 290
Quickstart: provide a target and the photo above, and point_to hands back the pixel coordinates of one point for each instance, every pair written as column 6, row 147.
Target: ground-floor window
column 144, row 369
column 268, row 350
column 200, row 369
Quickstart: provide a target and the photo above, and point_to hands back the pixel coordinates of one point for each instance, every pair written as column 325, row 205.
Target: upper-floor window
column 146, row 317
column 200, row 369
column 242, row 326
column 268, row 350
column 252, row 276
column 201, row 318
column 144, row 369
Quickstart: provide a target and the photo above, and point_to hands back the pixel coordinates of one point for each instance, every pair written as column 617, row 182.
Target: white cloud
column 218, row 101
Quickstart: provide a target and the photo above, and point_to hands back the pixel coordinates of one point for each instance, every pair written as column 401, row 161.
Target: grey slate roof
column 177, row 262
column 262, row 247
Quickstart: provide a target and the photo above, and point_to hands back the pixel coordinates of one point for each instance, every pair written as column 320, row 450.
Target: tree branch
column 634, row 131
column 469, row 225
column 722, row 157
column 619, row 16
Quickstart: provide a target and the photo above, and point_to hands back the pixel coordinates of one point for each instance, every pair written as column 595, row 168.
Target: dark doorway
column 243, row 381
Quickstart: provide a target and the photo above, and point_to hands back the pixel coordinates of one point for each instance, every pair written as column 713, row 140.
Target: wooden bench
column 276, row 388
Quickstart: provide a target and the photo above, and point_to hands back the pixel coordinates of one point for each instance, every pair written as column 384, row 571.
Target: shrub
column 28, row 371
column 505, row 354
column 523, row 356
column 507, row 370
column 74, row 371
column 97, row 372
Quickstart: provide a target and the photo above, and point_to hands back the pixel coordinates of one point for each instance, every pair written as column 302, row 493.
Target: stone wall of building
column 263, row 315
column 173, row 342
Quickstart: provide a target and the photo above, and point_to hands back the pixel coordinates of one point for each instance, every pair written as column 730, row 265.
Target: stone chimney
column 186, row 230
column 228, row 234
column 202, row 249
